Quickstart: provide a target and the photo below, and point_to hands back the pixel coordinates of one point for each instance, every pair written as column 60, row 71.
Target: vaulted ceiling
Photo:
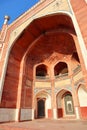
column 61, row 24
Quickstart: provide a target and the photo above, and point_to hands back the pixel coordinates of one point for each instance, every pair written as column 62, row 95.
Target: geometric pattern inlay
column 36, row 90
column 68, row 88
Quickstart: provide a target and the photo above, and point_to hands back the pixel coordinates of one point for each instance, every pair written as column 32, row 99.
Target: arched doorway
column 68, row 104
column 42, row 105
column 41, row 108
column 65, row 107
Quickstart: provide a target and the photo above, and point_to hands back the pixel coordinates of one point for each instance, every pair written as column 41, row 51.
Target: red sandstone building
column 43, row 62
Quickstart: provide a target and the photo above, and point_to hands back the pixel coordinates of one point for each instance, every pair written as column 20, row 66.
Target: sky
column 14, row 8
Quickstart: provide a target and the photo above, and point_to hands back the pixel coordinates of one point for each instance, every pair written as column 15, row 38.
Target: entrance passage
column 69, row 108
column 41, row 108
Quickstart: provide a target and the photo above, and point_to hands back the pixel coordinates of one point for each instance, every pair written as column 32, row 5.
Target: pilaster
column 53, row 97
column 75, row 97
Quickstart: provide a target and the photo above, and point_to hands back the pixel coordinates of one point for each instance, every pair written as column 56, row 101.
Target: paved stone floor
column 46, row 124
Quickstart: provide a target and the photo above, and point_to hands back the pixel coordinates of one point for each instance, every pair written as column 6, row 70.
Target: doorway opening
column 41, row 108
column 65, row 106
column 69, row 107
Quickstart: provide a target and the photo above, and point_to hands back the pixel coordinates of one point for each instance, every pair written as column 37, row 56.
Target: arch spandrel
column 54, row 7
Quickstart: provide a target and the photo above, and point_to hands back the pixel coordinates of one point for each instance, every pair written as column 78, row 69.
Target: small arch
column 60, row 68
column 79, row 85
column 41, row 70
column 63, row 90
column 64, row 104
column 42, row 104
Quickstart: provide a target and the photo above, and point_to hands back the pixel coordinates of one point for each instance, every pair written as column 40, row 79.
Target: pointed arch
column 41, row 70
column 65, row 104
column 60, row 69
column 45, row 99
